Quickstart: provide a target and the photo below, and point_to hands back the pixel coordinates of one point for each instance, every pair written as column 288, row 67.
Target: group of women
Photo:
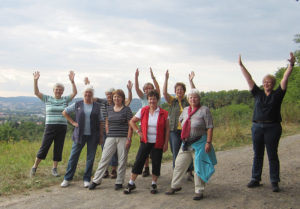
column 188, row 126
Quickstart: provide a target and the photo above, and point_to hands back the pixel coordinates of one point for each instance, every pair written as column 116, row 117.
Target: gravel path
column 226, row 189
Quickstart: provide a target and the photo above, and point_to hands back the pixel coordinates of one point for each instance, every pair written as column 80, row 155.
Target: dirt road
column 226, row 189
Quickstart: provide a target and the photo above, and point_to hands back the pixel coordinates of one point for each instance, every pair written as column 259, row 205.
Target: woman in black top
column 266, row 128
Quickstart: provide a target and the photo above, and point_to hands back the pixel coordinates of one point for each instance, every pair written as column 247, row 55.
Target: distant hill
column 32, row 105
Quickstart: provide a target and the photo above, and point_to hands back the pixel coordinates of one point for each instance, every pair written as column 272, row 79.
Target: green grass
column 16, row 158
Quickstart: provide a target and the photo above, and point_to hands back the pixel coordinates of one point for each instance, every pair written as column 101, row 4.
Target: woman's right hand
column 36, row 75
column 167, row 74
column 75, row 124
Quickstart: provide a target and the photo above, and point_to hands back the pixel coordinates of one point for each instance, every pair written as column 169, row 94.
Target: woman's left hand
column 128, row 144
column 165, row 148
column 207, row 147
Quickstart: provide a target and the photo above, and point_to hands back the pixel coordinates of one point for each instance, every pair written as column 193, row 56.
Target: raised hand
column 86, row 81
column 36, row 75
column 191, row 76
column 292, row 59
column 240, row 60
column 72, row 76
column 129, row 85
column 152, row 75
column 137, row 73
column 167, row 74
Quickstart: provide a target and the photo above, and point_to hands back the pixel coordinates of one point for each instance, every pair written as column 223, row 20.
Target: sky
column 107, row 40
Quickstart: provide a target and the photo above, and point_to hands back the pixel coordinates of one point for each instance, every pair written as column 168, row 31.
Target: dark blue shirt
column 267, row 108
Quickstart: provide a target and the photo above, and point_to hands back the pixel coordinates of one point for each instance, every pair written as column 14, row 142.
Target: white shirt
column 152, row 124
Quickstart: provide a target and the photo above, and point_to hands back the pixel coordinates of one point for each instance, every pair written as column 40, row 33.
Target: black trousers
column 56, row 133
column 266, row 135
column 144, row 150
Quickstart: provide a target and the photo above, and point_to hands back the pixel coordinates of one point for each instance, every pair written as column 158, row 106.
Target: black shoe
column 129, row 188
column 253, row 184
column 172, row 191
column 198, row 196
column 118, row 186
column 153, row 189
column 93, row 186
column 275, row 187
column 106, row 174
column 146, row 172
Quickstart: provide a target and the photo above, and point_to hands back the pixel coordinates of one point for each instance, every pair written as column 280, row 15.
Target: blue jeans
column 114, row 159
column 74, row 156
column 266, row 135
column 175, row 144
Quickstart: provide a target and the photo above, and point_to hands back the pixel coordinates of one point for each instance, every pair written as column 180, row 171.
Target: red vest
column 160, row 128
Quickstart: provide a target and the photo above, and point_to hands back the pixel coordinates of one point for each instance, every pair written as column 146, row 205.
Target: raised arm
column 246, row 74
column 191, row 78
column 165, row 90
column 74, row 89
column 129, row 99
column 36, row 76
column 288, row 72
column 155, row 82
column 136, row 84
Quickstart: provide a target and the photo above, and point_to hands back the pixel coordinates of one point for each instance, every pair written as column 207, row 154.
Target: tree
column 297, row 52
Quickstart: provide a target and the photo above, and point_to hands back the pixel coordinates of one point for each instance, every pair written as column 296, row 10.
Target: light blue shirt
column 87, row 108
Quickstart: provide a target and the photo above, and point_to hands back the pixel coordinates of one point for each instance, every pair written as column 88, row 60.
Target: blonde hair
column 271, row 77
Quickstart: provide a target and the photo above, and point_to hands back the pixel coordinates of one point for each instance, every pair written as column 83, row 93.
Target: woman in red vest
column 154, row 135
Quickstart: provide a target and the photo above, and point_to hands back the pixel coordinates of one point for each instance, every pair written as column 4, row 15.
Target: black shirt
column 267, row 108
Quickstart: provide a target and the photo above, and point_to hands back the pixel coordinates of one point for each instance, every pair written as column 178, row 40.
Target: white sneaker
column 65, row 183
column 86, row 184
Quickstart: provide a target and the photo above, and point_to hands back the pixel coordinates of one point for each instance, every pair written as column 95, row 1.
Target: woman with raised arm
column 266, row 127
column 177, row 104
column 88, row 129
column 118, row 139
column 143, row 97
column 154, row 135
column 56, row 124
column 197, row 133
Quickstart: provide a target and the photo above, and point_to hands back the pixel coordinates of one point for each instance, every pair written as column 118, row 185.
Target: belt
column 191, row 141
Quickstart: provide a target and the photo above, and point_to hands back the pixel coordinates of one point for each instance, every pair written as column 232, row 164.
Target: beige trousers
column 111, row 145
column 183, row 160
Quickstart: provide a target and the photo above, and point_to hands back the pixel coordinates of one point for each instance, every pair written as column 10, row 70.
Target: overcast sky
column 108, row 40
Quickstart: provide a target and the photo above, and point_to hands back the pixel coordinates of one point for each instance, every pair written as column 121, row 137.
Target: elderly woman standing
column 154, row 135
column 88, row 130
column 56, row 124
column 118, row 139
column 177, row 104
column 266, row 127
column 197, row 132
column 143, row 97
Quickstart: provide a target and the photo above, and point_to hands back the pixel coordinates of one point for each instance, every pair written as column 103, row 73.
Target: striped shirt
column 54, row 108
column 118, row 121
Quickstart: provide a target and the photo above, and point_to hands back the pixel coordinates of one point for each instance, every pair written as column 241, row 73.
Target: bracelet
column 292, row 64
column 137, row 131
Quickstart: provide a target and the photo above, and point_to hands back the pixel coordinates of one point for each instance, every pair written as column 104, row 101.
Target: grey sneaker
column 32, row 172
column 54, row 172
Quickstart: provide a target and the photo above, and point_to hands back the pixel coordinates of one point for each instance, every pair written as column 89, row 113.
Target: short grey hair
column 194, row 91
column 88, row 88
column 110, row 90
column 59, row 85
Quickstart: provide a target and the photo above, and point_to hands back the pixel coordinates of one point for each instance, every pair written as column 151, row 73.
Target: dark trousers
column 143, row 153
column 56, row 133
column 266, row 135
